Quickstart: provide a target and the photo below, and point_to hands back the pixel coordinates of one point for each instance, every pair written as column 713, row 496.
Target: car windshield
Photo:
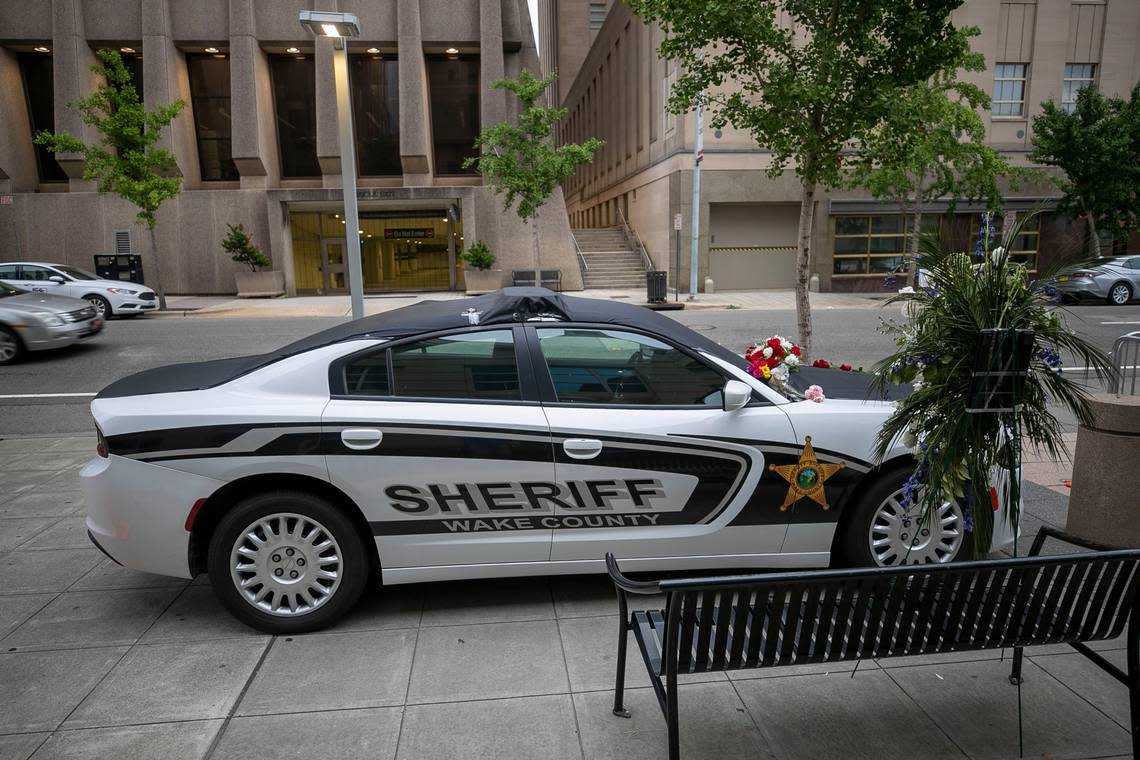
column 7, row 290
column 76, row 274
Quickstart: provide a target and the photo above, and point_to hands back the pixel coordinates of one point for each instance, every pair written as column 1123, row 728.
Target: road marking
column 1121, row 323
column 46, row 395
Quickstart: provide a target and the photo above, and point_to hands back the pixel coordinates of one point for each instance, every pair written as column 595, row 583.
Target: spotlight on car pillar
column 326, row 24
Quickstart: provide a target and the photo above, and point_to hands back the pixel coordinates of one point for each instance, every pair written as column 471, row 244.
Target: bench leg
column 1134, row 680
column 1015, row 674
column 671, row 715
column 619, row 681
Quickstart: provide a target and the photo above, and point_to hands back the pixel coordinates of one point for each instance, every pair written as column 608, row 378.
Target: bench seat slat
column 1113, row 625
column 1096, row 610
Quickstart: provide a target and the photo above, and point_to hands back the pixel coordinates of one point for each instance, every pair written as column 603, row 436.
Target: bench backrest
column 827, row 616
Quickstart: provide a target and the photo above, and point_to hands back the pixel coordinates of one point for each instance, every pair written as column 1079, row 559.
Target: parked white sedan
column 517, row 433
column 109, row 297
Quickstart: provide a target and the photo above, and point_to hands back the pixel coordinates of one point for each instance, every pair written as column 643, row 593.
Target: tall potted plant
column 479, row 274
column 255, row 283
column 956, row 451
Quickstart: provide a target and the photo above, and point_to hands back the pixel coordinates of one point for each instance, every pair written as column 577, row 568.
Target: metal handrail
column 1125, row 346
column 634, row 240
column 578, row 248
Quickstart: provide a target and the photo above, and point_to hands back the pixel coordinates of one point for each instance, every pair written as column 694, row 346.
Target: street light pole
column 348, row 178
column 339, row 26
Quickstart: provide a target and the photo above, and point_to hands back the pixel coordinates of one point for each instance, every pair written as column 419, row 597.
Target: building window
column 1023, row 248
column 39, row 94
column 376, row 114
column 874, row 244
column 294, row 100
column 454, row 85
column 1077, row 77
column 598, row 13
column 210, row 100
column 1009, row 89
column 134, row 65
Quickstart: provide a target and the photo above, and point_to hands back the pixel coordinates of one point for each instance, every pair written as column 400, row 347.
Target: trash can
column 126, row 267
column 656, row 285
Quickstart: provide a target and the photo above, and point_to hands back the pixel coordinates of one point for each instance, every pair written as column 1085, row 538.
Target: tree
column 242, row 249
column 807, row 78
column 521, row 161
column 125, row 161
column 931, row 144
column 1097, row 147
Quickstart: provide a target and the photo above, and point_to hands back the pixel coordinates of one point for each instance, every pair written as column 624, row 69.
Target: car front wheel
column 885, row 531
column 101, row 304
column 11, row 348
column 287, row 562
column 1119, row 294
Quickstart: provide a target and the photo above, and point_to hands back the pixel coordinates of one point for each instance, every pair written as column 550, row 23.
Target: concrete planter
column 260, row 284
column 1103, row 505
column 479, row 281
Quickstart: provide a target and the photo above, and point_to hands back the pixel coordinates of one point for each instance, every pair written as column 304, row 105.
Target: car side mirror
column 57, row 279
column 736, row 395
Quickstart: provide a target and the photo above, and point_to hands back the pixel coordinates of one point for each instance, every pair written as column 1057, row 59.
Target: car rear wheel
column 11, row 347
column 1119, row 294
column 101, row 304
column 884, row 532
column 285, row 562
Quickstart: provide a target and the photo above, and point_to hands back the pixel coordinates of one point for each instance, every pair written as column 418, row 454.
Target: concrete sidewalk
column 339, row 305
column 101, row 662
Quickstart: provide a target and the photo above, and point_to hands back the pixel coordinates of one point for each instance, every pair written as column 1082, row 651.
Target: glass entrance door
column 332, row 265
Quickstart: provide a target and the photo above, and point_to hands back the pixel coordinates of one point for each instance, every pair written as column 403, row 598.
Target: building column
column 72, row 79
column 415, row 119
column 165, row 80
column 18, row 172
column 328, row 133
column 492, row 103
column 251, row 106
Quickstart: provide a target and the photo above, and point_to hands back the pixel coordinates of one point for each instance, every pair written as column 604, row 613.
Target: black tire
column 101, row 304
column 353, row 566
column 11, row 347
column 1119, row 294
column 855, row 543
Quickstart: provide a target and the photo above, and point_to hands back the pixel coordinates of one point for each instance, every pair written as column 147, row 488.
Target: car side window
column 39, row 274
column 477, row 366
column 9, row 272
column 598, row 366
column 1134, row 262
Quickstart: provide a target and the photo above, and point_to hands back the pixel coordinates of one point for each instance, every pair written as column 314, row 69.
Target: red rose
column 796, row 350
column 821, row 363
column 751, row 351
column 773, row 362
column 845, row 367
column 774, row 343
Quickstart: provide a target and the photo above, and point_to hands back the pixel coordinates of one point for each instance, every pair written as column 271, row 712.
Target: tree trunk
column 156, row 267
column 912, row 274
column 534, row 253
column 1094, row 237
column 803, row 267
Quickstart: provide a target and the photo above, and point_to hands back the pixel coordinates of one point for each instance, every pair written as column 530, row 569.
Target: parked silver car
column 1115, row 280
column 39, row 321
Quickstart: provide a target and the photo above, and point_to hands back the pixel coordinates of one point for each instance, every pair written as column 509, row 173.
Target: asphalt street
column 29, row 404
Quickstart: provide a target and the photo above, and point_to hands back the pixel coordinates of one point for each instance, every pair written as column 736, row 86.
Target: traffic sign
column 677, row 222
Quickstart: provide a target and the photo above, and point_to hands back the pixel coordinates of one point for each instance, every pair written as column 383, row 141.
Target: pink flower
column 815, row 393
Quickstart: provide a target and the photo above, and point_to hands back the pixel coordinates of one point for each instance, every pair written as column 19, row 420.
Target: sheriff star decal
column 806, row 477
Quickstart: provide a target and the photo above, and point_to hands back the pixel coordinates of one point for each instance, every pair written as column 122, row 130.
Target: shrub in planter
column 480, row 277
column 254, row 282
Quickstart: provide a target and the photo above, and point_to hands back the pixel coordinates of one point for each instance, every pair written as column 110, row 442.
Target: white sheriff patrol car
column 517, row 433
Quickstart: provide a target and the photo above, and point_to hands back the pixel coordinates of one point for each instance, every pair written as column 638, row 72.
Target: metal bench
column 777, row 619
column 524, row 278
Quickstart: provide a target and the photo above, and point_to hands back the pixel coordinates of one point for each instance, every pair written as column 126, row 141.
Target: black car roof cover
column 506, row 306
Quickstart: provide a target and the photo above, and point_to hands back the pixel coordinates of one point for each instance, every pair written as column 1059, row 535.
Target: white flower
column 767, row 352
column 781, row 372
column 785, row 344
column 792, row 360
column 916, row 384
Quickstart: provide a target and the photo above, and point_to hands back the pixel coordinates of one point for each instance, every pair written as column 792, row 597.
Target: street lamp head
column 329, row 24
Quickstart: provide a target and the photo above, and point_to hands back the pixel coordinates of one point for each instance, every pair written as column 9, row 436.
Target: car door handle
column 582, row 448
column 361, row 439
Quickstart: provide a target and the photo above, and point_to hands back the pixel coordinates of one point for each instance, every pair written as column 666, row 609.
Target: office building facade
column 257, row 142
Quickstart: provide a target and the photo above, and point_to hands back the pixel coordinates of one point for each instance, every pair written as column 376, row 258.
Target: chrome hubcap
column 100, row 307
column 286, row 564
column 1120, row 294
column 7, row 347
column 899, row 536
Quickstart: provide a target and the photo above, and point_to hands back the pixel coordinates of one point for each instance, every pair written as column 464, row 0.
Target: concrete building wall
column 621, row 86
column 69, row 222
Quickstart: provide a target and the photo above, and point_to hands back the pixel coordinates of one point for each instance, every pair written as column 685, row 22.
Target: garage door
column 752, row 245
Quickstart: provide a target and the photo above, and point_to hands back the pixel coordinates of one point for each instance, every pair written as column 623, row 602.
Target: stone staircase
column 610, row 261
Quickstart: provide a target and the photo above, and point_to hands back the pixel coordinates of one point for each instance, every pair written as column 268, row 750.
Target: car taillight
column 193, row 514
column 101, row 444
column 1084, row 273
